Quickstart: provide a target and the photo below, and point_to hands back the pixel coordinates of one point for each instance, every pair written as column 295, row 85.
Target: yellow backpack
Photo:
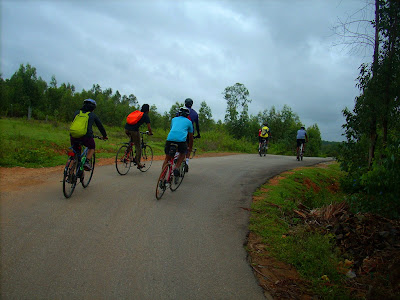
column 80, row 124
column 264, row 132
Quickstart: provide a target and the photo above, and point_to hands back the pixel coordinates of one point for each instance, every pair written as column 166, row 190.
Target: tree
column 205, row 117
column 236, row 117
column 314, row 140
column 372, row 128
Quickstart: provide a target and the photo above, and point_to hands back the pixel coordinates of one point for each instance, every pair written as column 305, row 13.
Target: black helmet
column 265, row 123
column 89, row 104
column 188, row 102
column 302, row 127
column 184, row 112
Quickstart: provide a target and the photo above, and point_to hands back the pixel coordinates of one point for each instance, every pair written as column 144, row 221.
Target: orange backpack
column 134, row 117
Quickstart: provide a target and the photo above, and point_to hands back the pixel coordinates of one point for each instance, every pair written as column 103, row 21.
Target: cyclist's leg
column 298, row 147
column 75, row 144
column 167, row 156
column 182, row 148
column 90, row 144
column 135, row 138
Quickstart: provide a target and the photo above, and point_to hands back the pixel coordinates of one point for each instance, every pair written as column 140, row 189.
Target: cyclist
column 133, row 132
column 181, row 133
column 194, row 117
column 88, row 140
column 302, row 138
column 263, row 135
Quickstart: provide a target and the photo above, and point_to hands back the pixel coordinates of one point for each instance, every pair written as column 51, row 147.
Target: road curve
column 114, row 240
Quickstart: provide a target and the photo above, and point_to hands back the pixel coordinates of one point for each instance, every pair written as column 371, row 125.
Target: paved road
column 114, row 240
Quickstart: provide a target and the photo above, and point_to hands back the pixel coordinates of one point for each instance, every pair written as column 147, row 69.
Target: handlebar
column 100, row 138
column 147, row 132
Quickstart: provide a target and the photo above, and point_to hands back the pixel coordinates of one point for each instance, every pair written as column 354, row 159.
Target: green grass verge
column 35, row 144
column 288, row 238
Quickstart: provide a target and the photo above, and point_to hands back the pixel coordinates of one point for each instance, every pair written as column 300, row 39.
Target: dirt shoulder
column 12, row 179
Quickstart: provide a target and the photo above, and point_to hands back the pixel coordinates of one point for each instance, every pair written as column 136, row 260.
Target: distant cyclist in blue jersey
column 302, row 138
column 181, row 130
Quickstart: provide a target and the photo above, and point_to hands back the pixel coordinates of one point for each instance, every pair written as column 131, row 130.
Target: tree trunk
column 388, row 97
column 373, row 137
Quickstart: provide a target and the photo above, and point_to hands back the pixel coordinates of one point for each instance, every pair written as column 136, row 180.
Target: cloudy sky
column 165, row 51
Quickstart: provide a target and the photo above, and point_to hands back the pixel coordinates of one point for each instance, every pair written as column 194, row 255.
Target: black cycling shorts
column 300, row 141
column 182, row 147
column 260, row 139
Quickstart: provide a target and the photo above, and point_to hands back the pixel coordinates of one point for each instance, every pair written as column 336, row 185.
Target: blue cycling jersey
column 180, row 127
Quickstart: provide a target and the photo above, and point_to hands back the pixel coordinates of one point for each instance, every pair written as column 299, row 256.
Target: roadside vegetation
column 36, row 144
column 305, row 234
column 342, row 239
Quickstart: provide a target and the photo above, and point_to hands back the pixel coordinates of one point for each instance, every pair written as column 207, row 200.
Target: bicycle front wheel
column 162, row 182
column 177, row 180
column 87, row 175
column 123, row 160
column 69, row 180
column 147, row 158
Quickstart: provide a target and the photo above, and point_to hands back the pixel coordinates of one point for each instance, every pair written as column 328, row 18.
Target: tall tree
column 236, row 117
column 205, row 117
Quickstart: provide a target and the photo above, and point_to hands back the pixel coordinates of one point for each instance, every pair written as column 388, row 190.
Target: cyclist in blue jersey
column 302, row 138
column 181, row 132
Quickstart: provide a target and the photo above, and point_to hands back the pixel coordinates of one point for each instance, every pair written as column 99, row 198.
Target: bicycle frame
column 300, row 152
column 81, row 155
column 74, row 169
column 126, row 156
column 167, row 178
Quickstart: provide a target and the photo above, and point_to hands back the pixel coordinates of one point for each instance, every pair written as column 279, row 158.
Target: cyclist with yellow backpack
column 263, row 135
column 81, row 129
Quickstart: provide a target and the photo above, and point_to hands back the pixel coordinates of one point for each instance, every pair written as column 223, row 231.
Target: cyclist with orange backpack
column 134, row 120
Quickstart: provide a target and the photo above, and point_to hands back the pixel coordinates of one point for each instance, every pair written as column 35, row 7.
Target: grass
column 287, row 238
column 35, row 144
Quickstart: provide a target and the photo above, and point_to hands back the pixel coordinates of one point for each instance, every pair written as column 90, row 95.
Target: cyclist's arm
column 149, row 129
column 306, row 138
column 197, row 128
column 100, row 126
column 190, row 146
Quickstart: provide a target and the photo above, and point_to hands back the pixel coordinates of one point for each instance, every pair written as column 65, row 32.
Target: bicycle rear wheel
column 69, row 180
column 87, row 175
column 162, row 182
column 123, row 160
column 176, row 181
column 147, row 158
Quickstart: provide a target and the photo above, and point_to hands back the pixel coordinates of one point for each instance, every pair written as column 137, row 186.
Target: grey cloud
column 165, row 51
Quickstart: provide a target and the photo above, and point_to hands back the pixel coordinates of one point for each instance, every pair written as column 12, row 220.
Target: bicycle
column 167, row 178
column 74, row 169
column 126, row 156
column 263, row 148
column 300, row 152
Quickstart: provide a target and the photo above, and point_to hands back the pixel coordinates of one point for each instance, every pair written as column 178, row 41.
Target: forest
column 371, row 153
column 27, row 95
